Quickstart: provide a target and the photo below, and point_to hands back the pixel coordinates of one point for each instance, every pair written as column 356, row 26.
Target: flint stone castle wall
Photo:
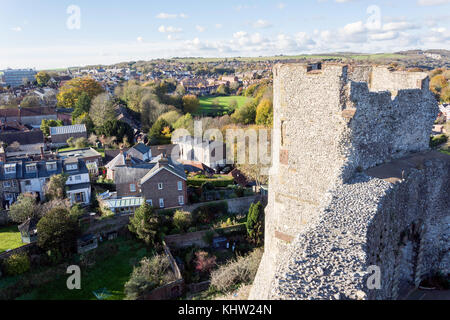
column 330, row 124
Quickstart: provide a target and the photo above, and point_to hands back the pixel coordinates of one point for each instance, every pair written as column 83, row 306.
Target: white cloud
column 169, row 29
column 164, row 15
column 389, row 35
column 432, row 2
column 140, row 39
column 200, row 28
column 16, row 29
column 402, row 25
column 219, row 26
column 281, row 5
column 262, row 24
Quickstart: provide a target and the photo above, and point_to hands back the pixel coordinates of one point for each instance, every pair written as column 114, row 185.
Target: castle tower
column 332, row 121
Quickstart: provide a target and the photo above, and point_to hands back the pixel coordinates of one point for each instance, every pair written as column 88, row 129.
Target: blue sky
column 34, row 33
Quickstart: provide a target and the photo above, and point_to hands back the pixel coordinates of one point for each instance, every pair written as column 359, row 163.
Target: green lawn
column 10, row 238
column 111, row 273
column 208, row 106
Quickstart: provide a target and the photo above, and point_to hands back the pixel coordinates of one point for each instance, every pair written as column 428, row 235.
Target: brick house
column 161, row 183
column 165, row 186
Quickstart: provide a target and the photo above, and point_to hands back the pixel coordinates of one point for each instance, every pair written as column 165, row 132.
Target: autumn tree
column 102, row 110
column 160, row 133
column 190, row 103
column 72, row 90
column 42, row 78
column 264, row 113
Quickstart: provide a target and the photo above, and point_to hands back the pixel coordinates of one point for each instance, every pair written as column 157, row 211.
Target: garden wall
column 172, row 290
column 237, row 205
column 196, row 238
column 24, row 249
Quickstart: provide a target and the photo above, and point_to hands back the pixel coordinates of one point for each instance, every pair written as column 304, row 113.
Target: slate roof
column 142, row 148
column 77, row 128
column 26, row 137
column 130, row 175
column 41, row 169
column 175, row 169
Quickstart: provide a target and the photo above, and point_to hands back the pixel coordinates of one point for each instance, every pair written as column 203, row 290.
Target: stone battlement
column 331, row 122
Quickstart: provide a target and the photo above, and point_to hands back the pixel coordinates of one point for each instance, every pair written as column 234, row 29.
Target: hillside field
column 218, row 106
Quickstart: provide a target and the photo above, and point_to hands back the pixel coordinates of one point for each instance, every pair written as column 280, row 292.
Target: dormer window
column 10, row 168
column 72, row 167
column 31, row 168
column 51, row 166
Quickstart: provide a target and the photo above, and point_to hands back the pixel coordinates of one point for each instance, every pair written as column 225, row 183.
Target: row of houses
column 28, row 176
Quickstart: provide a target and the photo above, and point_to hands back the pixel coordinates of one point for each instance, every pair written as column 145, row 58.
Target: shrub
column 240, row 271
column 255, row 222
column 152, row 273
column 182, row 220
column 438, row 140
column 17, row 264
column 204, row 263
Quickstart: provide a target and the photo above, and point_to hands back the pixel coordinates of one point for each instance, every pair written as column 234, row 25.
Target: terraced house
column 32, row 176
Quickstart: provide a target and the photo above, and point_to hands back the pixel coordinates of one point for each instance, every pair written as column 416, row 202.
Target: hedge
column 217, row 183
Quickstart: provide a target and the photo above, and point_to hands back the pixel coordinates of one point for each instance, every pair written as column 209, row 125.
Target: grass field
column 218, row 106
column 111, row 273
column 10, row 238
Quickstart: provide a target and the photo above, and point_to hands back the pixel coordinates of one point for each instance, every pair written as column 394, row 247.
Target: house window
column 79, row 197
column 150, row 202
column 132, row 188
column 31, row 168
column 180, row 185
column 161, row 203
column 51, row 166
column 27, row 182
column 160, row 186
column 181, row 200
column 10, row 168
column 71, row 167
column 77, row 178
column 7, row 184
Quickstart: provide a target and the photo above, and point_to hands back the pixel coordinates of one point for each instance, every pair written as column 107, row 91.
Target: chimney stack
column 42, row 153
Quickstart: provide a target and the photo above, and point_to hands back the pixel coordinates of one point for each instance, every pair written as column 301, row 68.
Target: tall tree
column 58, row 232
column 102, row 110
column 145, row 223
column 56, row 187
column 190, row 103
column 42, row 78
column 83, row 105
column 72, row 90
column 24, row 208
